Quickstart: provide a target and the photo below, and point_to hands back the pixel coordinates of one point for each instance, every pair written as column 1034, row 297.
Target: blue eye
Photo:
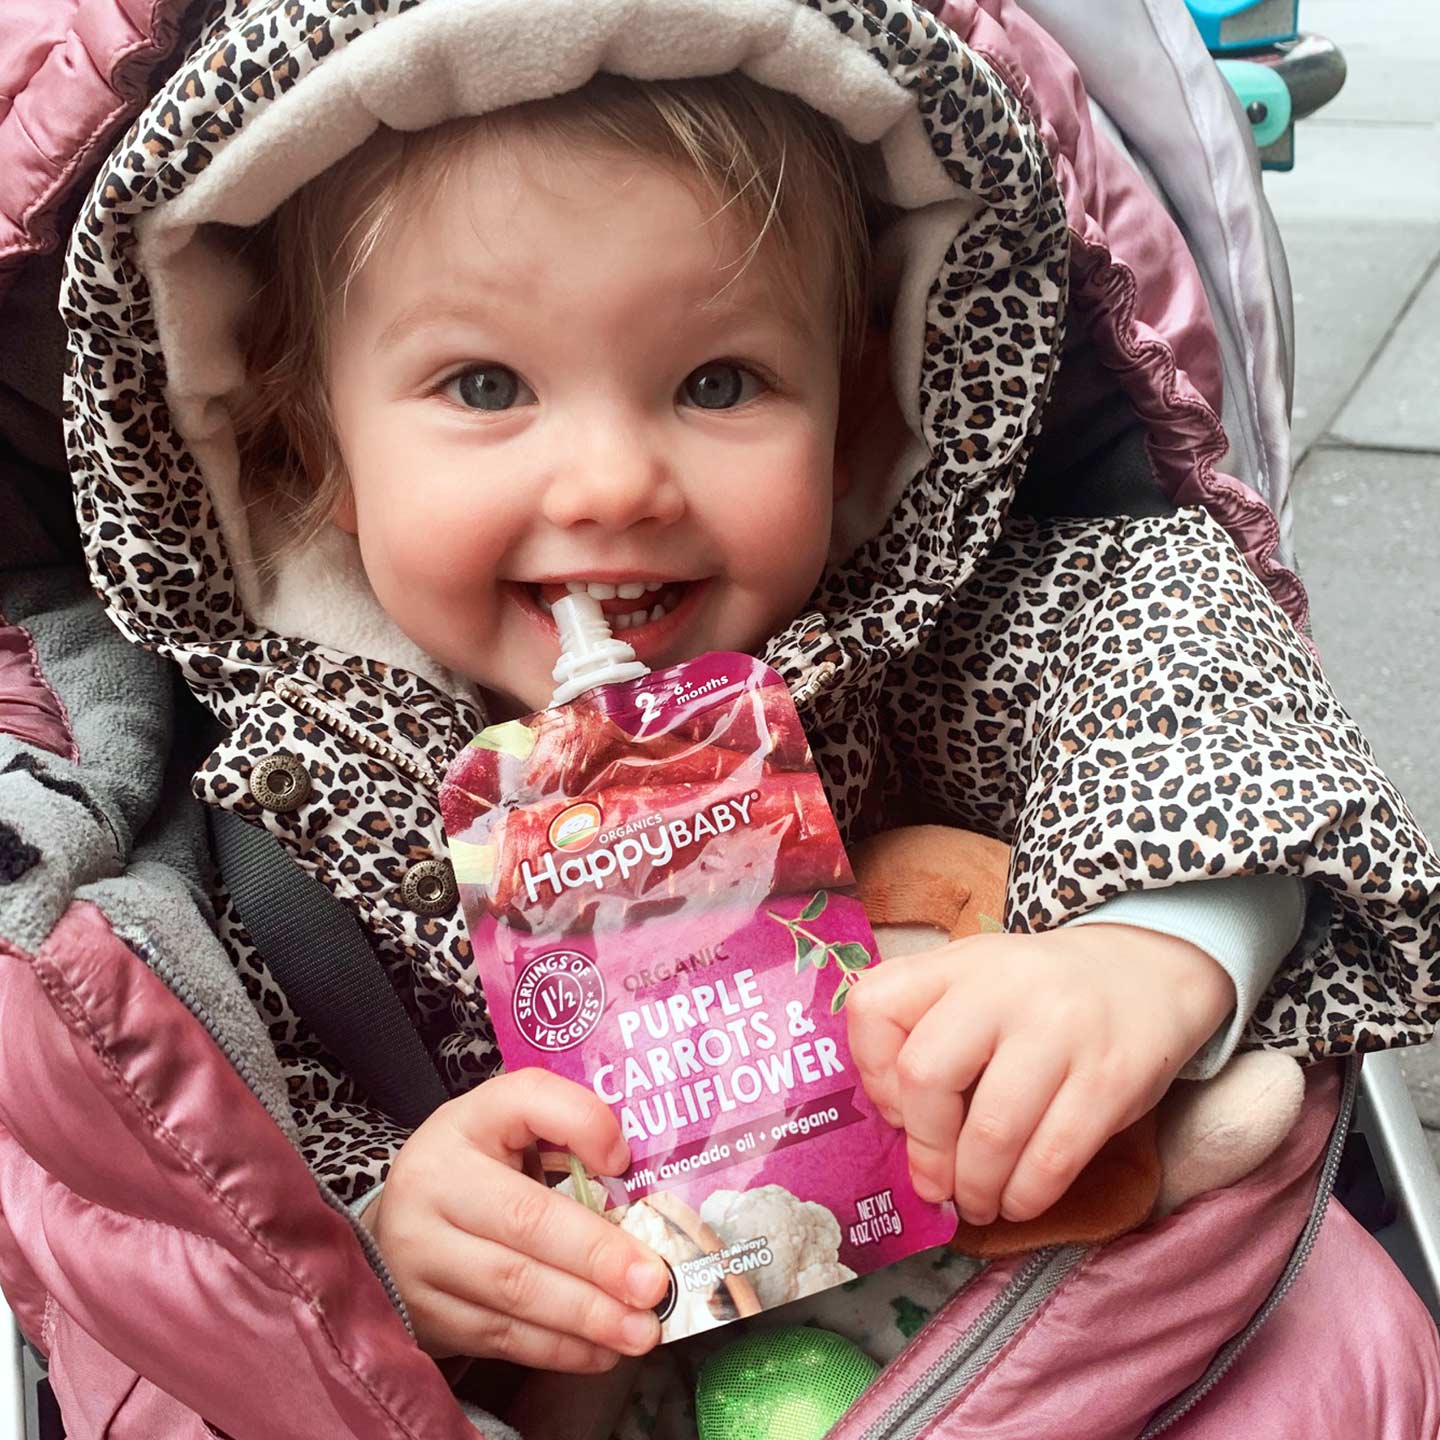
column 719, row 385
column 489, row 387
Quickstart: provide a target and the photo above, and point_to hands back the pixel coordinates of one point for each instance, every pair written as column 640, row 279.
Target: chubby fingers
column 1015, row 1092
column 506, row 1115
column 939, row 1061
column 550, row 1228
column 499, row 1203
column 1078, row 1122
column 454, row 1326
column 498, row 1300
column 882, row 1009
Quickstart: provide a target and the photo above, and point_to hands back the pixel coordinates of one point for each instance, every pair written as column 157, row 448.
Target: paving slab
column 1398, row 403
column 1366, row 527
column 1391, row 49
column 1360, row 216
column 1373, row 152
column 1348, row 287
column 1351, row 170
column 1421, row 1066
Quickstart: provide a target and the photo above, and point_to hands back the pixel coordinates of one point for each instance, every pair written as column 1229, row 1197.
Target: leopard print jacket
column 1120, row 698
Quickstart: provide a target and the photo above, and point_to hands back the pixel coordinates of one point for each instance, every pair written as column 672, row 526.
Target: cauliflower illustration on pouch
column 804, row 1238
column 694, row 1311
column 678, row 1235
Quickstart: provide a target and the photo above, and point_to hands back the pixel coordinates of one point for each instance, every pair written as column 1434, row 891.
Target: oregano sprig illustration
column 849, row 956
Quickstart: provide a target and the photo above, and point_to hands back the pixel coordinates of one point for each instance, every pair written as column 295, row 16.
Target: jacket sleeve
column 1123, row 700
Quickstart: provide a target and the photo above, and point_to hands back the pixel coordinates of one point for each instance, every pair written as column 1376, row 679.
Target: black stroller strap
column 317, row 952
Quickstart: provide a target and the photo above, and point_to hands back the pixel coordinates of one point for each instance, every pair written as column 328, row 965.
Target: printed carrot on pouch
column 658, row 898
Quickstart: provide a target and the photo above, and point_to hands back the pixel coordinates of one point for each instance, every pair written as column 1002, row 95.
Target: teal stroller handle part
column 1264, row 95
column 1242, row 24
column 1280, row 84
column 1280, row 74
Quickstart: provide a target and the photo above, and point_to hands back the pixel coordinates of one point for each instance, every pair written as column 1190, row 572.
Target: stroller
column 1144, row 67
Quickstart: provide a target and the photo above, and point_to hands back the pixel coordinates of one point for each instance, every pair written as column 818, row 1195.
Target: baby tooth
column 653, row 585
column 637, row 617
column 658, row 612
column 620, row 622
column 575, row 587
column 599, row 590
column 632, row 591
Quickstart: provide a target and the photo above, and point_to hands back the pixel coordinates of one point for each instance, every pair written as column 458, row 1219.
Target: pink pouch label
column 657, row 894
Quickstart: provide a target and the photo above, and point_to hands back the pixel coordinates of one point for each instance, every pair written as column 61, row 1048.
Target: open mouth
column 627, row 607
column 647, row 613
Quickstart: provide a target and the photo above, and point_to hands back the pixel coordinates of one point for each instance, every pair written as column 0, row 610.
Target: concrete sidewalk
column 1360, row 215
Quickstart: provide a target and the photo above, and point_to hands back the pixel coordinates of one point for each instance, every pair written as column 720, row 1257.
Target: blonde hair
column 786, row 172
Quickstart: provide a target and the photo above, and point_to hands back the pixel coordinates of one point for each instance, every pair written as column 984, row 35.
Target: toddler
column 626, row 340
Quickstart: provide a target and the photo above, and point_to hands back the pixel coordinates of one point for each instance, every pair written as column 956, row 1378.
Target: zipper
column 1228, row 1353
column 1031, row 1286
column 421, row 774
column 180, row 988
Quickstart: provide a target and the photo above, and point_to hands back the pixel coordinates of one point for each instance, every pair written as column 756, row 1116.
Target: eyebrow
column 423, row 314
column 729, row 300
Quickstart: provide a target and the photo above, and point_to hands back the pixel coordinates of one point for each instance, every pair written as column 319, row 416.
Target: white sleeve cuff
column 358, row 1207
column 1246, row 924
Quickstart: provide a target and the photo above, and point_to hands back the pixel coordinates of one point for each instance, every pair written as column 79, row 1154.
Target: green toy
column 784, row 1384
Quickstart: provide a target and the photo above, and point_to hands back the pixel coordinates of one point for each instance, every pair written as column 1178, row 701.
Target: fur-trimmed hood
column 275, row 94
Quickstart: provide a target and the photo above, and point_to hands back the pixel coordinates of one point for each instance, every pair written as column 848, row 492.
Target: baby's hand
column 1060, row 1039
column 490, row 1262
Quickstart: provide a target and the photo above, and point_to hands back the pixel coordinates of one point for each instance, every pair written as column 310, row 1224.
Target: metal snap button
column 280, row 783
column 429, row 888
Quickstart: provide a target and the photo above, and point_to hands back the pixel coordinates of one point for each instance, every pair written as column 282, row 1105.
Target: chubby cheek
column 779, row 526
column 432, row 572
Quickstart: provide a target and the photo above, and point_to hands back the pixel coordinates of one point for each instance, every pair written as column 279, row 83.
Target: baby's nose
column 618, row 479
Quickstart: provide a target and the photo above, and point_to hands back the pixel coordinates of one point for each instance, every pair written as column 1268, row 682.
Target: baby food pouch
column 659, row 902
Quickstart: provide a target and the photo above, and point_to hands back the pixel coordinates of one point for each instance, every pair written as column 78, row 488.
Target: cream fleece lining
column 450, row 58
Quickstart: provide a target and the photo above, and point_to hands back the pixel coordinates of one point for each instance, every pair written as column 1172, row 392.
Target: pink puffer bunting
column 71, row 73
column 162, row 1215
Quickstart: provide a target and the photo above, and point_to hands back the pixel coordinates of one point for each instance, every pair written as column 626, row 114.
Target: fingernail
column 927, row 1189
column 639, row 1330
column 620, row 1159
column 646, row 1281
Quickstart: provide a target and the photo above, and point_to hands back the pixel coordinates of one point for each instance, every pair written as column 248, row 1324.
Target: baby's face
column 542, row 379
